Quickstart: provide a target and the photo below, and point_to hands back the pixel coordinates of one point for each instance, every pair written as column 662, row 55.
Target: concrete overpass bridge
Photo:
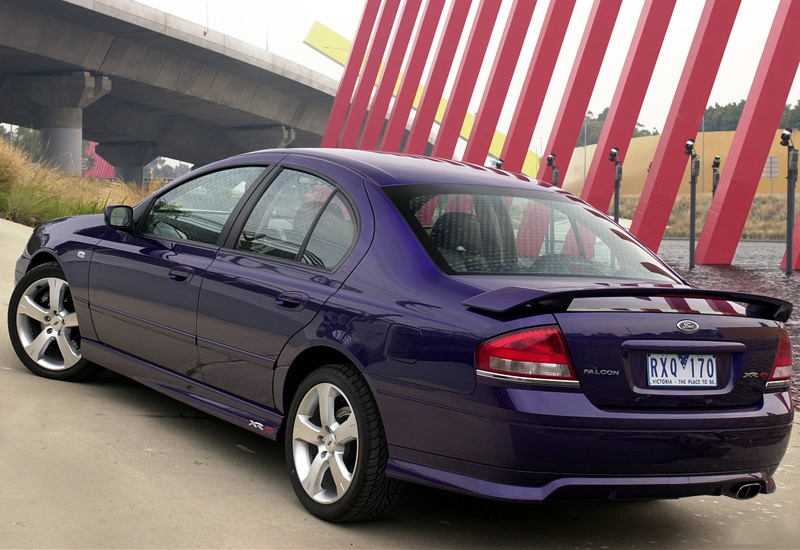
column 144, row 83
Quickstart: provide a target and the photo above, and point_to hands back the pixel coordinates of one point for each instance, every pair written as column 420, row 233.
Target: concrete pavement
column 112, row 464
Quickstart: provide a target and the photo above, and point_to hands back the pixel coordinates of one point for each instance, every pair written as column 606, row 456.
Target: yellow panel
column 336, row 47
column 329, row 43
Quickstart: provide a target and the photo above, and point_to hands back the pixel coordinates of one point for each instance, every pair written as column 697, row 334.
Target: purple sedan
column 394, row 318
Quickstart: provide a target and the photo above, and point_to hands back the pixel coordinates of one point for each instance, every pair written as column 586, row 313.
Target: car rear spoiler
column 507, row 300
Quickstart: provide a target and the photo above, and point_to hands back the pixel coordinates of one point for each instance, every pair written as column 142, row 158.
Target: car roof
column 387, row 169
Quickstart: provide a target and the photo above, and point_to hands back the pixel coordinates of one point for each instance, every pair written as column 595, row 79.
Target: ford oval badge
column 688, row 326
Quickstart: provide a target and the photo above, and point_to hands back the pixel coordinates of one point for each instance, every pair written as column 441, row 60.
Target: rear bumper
column 593, row 488
column 530, row 445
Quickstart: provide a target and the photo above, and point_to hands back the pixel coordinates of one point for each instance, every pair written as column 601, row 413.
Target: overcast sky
column 281, row 25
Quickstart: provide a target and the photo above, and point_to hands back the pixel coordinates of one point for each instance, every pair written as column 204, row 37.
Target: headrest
column 457, row 231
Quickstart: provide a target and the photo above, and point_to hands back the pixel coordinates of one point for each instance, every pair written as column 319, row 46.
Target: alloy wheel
column 47, row 325
column 325, row 443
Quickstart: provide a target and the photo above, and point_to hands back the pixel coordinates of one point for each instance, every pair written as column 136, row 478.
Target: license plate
column 681, row 369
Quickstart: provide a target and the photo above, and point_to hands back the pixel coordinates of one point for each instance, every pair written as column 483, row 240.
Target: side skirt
column 222, row 405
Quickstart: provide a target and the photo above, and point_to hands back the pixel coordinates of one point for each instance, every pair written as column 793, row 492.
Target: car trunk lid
column 659, row 348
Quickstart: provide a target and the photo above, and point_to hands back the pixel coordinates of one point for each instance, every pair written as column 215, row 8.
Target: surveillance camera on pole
column 694, row 172
column 715, row 169
column 786, row 137
column 613, row 156
column 551, row 162
column 791, row 181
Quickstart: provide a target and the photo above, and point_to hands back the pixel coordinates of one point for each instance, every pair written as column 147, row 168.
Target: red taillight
column 782, row 369
column 530, row 353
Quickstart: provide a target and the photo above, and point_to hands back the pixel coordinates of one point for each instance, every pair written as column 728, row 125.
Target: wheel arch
column 289, row 377
column 43, row 257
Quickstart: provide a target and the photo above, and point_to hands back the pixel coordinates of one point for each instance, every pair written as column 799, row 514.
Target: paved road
column 112, row 464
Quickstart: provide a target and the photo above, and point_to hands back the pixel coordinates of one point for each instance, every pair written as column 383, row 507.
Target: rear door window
column 300, row 217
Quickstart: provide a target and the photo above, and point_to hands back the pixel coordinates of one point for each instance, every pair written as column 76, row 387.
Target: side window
column 281, row 221
column 332, row 236
column 198, row 209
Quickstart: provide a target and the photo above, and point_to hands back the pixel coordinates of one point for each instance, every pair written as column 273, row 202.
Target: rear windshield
column 469, row 230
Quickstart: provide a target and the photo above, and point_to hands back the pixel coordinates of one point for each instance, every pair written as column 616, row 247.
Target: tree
column 30, row 141
column 161, row 169
column 721, row 118
column 791, row 116
column 593, row 126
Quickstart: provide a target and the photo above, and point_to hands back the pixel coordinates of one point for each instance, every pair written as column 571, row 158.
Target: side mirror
column 119, row 216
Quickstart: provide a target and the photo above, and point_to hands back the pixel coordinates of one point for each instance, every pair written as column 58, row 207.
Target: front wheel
column 43, row 326
column 336, row 448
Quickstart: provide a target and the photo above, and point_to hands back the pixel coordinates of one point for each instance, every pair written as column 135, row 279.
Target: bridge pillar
column 128, row 158
column 62, row 99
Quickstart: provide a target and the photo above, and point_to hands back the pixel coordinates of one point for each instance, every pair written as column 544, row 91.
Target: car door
column 144, row 286
column 286, row 256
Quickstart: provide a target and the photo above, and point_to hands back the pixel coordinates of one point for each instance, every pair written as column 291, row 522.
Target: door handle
column 181, row 274
column 291, row 300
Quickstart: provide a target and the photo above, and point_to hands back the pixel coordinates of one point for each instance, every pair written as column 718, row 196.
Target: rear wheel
column 336, row 448
column 43, row 326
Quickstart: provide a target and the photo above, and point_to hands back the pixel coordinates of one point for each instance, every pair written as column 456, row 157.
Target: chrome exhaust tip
column 746, row 491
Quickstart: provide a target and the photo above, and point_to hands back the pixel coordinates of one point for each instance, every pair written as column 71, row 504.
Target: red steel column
column 358, row 108
column 391, row 72
column 393, row 136
column 348, row 83
column 753, row 139
column 537, row 80
column 581, row 83
column 499, row 81
column 432, row 96
column 457, row 104
column 683, row 121
column 628, row 98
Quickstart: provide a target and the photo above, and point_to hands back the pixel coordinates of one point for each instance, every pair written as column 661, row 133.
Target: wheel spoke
column 346, row 431
column 326, row 394
column 58, row 290
column 31, row 309
column 70, row 320
column 39, row 345
column 67, row 352
column 304, row 430
column 312, row 483
column 341, row 476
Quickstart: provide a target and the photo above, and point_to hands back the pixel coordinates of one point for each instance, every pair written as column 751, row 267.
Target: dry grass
column 31, row 194
column 766, row 221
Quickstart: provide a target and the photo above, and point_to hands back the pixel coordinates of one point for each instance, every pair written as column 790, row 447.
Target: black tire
column 44, row 329
column 359, row 451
